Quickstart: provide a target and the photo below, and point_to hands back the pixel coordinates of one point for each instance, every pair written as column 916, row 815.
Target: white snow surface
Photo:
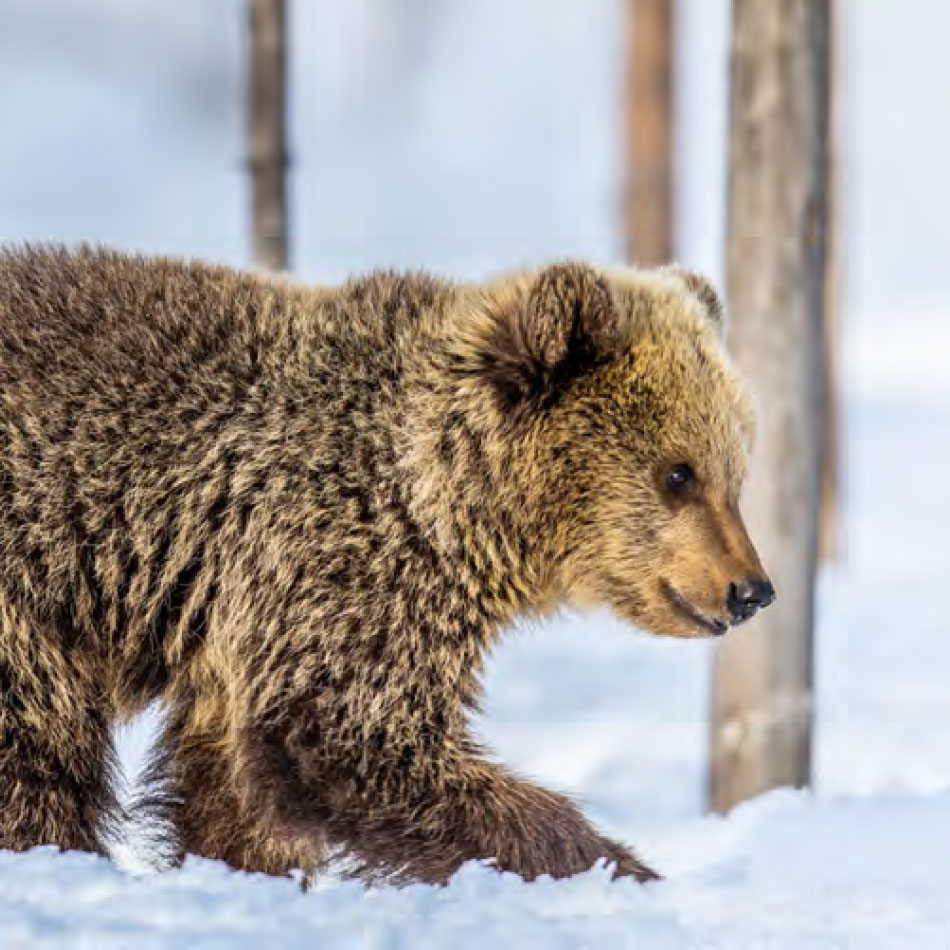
column 462, row 137
column 780, row 872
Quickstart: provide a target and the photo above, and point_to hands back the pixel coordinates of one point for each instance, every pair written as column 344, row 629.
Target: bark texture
column 649, row 210
column 267, row 132
column 762, row 693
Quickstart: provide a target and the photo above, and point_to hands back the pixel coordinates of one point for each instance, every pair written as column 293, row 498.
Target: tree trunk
column 649, row 200
column 762, row 690
column 267, row 132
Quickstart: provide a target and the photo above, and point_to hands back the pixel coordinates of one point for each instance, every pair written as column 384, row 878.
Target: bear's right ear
column 566, row 321
column 702, row 288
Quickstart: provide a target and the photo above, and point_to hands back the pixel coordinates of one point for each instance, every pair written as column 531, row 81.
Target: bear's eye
column 680, row 478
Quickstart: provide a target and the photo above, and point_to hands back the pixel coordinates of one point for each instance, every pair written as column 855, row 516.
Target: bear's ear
column 702, row 289
column 566, row 321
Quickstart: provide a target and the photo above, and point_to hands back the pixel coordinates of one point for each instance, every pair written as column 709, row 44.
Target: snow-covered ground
column 462, row 137
column 780, row 873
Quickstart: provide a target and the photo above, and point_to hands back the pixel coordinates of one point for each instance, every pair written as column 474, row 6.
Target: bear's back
column 148, row 405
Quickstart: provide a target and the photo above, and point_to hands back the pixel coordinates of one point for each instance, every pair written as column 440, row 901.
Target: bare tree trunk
column 762, row 691
column 649, row 200
column 268, row 133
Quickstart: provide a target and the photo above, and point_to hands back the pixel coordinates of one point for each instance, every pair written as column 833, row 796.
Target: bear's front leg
column 420, row 819
column 481, row 812
column 372, row 756
column 531, row 831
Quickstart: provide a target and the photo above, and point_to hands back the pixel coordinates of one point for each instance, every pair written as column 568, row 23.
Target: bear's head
column 626, row 433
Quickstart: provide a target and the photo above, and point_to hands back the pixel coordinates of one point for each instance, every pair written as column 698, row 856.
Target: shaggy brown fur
column 300, row 517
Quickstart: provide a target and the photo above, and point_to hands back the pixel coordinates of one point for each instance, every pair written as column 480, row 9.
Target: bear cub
column 299, row 516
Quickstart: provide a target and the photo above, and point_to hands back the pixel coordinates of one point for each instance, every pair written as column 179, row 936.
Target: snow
column 122, row 123
column 785, row 871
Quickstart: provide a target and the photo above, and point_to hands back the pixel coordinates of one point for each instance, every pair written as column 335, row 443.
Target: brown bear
column 300, row 516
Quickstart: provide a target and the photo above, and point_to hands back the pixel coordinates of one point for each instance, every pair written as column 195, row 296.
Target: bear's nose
column 746, row 597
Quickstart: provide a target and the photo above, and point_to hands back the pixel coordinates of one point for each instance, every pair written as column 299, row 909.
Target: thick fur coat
column 300, row 516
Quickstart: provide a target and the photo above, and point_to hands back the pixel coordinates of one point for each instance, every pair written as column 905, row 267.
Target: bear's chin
column 677, row 630
column 674, row 619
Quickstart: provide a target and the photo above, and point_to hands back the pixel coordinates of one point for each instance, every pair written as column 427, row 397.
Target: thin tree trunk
column 267, row 132
column 762, row 691
column 649, row 199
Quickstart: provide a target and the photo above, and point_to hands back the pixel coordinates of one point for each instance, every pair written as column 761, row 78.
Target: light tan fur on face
column 667, row 395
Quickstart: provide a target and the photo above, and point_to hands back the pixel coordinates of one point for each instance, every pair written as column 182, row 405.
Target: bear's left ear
column 702, row 289
column 565, row 322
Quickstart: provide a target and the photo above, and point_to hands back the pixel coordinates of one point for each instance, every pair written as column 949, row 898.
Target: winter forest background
column 467, row 136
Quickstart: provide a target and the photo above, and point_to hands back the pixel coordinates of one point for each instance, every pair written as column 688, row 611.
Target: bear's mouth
column 712, row 625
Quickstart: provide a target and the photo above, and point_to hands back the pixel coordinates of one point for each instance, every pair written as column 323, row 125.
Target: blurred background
column 470, row 136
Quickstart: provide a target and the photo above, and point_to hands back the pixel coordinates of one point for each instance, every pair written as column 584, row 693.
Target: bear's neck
column 466, row 488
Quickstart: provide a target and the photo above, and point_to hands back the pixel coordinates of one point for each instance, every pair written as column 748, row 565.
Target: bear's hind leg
column 190, row 788
column 57, row 759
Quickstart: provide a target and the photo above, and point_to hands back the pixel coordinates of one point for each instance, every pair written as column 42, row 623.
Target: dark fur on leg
column 521, row 827
column 56, row 782
column 190, row 800
column 400, row 827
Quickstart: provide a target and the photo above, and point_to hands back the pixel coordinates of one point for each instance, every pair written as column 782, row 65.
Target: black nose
column 746, row 597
